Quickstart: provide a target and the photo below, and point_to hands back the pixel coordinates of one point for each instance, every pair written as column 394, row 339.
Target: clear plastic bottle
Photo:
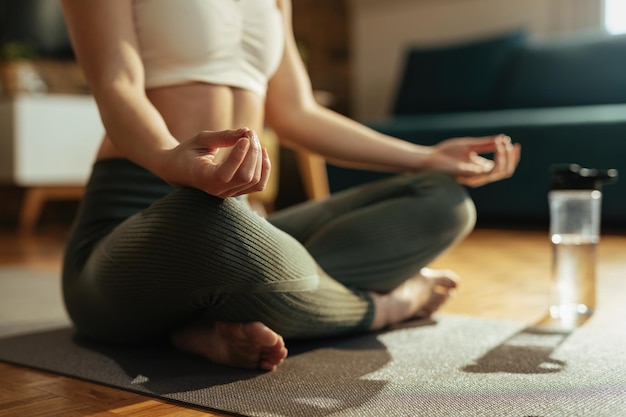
column 575, row 211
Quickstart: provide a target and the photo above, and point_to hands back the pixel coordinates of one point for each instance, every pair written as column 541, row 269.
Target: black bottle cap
column 575, row 177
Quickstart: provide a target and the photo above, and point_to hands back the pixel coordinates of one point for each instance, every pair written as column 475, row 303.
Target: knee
column 450, row 208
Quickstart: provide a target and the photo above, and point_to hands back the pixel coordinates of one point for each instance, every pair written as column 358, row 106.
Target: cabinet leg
column 36, row 197
column 31, row 210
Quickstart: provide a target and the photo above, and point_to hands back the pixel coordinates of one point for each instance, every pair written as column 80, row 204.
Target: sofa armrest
column 496, row 121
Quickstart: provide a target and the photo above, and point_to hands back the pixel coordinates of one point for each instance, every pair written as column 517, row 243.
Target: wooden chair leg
column 314, row 175
column 31, row 210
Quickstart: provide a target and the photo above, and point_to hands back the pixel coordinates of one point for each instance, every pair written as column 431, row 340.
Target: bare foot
column 242, row 345
column 419, row 296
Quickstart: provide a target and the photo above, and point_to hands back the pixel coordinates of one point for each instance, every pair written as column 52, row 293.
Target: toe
column 260, row 334
column 441, row 277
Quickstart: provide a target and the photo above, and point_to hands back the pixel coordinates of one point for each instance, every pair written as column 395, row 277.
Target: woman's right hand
column 193, row 163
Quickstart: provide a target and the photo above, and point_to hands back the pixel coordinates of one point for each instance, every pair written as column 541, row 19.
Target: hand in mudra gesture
column 461, row 158
column 225, row 163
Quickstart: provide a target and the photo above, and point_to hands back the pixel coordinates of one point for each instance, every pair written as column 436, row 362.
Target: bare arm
column 103, row 37
column 297, row 119
column 104, row 40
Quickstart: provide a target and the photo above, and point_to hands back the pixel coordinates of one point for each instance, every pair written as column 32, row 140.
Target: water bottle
column 575, row 201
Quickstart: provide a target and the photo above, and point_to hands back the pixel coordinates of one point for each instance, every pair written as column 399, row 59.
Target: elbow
column 288, row 120
column 107, row 84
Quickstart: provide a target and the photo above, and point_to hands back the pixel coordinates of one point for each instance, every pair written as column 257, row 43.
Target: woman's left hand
column 460, row 158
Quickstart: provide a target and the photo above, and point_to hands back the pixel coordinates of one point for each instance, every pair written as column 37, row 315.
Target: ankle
column 380, row 319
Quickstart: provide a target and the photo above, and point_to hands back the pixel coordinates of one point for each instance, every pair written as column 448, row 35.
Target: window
column 615, row 16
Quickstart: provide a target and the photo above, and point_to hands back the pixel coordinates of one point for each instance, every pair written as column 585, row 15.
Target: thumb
column 475, row 167
column 219, row 139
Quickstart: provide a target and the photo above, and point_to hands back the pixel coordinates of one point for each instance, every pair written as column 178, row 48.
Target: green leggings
column 144, row 258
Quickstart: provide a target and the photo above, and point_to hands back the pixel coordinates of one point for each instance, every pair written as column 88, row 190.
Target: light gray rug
column 450, row 366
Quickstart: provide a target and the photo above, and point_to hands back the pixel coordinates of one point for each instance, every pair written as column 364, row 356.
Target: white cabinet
column 48, row 139
column 47, row 145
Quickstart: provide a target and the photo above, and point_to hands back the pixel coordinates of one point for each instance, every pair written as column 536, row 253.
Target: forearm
column 133, row 124
column 346, row 142
column 103, row 38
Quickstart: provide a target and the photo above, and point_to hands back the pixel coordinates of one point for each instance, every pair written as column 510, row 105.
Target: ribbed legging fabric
column 144, row 259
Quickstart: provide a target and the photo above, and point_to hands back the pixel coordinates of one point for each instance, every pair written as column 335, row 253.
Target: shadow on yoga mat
column 162, row 371
column 449, row 367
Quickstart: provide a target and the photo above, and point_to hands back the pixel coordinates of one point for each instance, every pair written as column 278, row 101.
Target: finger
column 511, row 153
column 510, row 166
column 225, row 171
column 507, row 157
column 498, row 168
column 485, row 164
column 219, row 139
column 249, row 172
column 485, row 144
column 259, row 165
column 503, row 148
column 266, row 168
column 517, row 152
column 261, row 184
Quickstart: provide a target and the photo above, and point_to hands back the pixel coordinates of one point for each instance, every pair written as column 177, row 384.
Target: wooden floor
column 505, row 275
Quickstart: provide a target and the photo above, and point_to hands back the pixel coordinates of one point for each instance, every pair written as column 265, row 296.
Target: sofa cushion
column 582, row 70
column 455, row 78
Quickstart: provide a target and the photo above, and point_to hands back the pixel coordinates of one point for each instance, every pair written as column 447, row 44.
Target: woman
column 164, row 247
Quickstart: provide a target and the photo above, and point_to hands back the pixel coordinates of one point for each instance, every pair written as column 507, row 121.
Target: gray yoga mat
column 448, row 366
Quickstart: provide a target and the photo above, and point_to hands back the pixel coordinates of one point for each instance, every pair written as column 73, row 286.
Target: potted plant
column 18, row 72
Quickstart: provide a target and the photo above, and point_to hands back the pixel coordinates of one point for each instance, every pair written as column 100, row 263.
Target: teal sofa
column 564, row 101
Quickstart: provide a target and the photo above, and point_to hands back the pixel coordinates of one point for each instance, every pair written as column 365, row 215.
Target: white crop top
column 228, row 42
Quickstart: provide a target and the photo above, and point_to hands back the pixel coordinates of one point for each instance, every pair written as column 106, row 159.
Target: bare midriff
column 191, row 108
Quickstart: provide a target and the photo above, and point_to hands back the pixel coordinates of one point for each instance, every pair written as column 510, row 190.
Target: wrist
column 160, row 162
column 421, row 159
